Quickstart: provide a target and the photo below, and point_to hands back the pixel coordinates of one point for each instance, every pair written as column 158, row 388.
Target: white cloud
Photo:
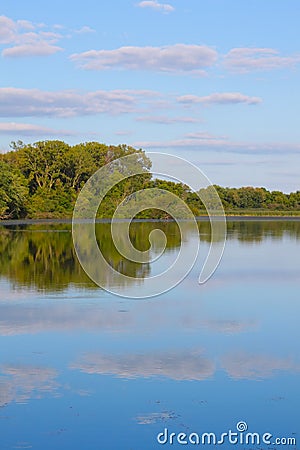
column 25, row 39
column 198, row 139
column 224, row 98
column 173, row 58
column 8, row 30
column 164, row 7
column 207, row 141
column 34, row 49
column 56, row 26
column 167, row 120
column 204, row 136
column 25, row 25
column 245, row 60
column 123, row 133
column 15, row 102
column 28, row 129
column 85, row 29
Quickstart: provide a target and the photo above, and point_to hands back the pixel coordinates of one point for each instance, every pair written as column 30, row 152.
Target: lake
column 85, row 369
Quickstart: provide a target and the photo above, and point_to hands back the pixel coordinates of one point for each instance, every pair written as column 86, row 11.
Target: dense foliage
column 42, row 180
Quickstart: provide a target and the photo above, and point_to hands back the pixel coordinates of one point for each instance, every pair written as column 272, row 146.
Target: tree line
column 43, row 179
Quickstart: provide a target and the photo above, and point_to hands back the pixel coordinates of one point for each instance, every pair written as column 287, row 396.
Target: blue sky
column 214, row 81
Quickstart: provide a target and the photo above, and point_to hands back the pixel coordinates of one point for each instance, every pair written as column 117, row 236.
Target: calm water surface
column 83, row 369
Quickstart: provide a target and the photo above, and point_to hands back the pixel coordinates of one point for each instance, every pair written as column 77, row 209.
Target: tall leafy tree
column 43, row 163
column 13, row 192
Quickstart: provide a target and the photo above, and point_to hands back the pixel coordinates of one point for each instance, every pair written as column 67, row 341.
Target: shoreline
column 229, row 218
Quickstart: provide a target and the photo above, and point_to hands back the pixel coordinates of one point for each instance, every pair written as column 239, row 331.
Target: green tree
column 43, row 163
column 13, row 192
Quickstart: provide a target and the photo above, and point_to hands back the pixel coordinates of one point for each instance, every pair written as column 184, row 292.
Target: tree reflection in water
column 42, row 256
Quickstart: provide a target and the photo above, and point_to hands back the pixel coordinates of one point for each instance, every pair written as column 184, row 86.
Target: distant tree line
column 43, row 179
